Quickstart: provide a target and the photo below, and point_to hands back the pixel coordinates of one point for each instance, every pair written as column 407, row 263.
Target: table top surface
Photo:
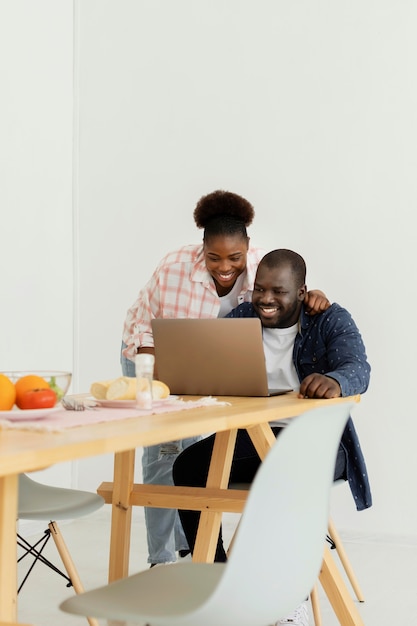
column 26, row 450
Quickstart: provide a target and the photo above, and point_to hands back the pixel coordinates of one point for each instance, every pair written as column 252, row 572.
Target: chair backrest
column 278, row 548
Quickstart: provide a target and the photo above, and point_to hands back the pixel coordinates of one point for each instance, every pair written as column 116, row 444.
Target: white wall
column 36, row 227
column 306, row 108
column 36, row 146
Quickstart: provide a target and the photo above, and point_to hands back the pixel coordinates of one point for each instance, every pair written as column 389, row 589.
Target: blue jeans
column 163, row 527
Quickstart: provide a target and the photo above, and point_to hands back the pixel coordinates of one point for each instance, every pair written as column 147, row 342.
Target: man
column 322, row 356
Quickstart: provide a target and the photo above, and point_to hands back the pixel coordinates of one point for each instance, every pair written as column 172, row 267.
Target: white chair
column 44, row 502
column 277, row 551
column 336, row 543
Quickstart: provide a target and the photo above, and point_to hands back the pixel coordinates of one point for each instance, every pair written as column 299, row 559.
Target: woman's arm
column 316, row 302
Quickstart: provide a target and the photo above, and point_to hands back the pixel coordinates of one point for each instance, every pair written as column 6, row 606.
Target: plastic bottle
column 144, row 374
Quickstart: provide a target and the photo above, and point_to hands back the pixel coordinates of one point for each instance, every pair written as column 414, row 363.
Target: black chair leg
column 35, row 551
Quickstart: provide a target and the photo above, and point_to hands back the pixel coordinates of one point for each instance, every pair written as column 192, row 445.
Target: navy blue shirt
column 330, row 343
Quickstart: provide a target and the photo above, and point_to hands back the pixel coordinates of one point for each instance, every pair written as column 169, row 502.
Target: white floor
column 387, row 573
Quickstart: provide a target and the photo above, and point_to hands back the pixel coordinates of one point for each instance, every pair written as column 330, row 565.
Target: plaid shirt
column 180, row 286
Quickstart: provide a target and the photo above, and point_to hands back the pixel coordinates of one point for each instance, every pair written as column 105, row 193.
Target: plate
column 18, row 415
column 126, row 404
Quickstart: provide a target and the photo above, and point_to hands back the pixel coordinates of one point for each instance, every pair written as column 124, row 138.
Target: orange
column 7, row 393
column 28, row 383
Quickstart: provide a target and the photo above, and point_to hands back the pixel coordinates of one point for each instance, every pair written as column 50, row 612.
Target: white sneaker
column 299, row 617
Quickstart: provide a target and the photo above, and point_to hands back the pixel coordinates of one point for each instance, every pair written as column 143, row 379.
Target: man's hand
column 319, row 386
column 316, row 302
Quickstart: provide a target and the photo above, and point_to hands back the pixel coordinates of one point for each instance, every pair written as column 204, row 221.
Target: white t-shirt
column 230, row 300
column 278, row 348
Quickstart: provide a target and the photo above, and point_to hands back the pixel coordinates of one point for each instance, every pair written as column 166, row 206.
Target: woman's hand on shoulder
column 316, row 302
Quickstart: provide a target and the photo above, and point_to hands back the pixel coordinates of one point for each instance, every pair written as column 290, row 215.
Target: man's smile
column 268, row 311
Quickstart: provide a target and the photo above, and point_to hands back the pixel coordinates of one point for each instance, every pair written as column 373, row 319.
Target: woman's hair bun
column 219, row 204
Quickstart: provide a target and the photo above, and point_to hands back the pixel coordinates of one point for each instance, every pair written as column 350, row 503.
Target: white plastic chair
column 277, row 552
column 44, row 502
column 336, row 543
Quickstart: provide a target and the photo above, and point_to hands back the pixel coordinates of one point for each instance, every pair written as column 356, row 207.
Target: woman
column 204, row 280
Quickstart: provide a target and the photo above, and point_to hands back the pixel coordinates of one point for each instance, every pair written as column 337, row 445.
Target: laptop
column 212, row 357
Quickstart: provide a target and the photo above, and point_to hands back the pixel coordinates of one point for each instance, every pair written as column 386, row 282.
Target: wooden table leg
column 8, row 548
column 262, row 437
column 124, row 467
column 337, row 592
column 219, row 472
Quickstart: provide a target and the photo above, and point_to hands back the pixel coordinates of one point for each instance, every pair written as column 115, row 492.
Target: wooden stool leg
column 334, row 535
column 315, row 605
column 68, row 564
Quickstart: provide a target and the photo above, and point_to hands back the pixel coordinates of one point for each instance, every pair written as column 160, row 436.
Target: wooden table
column 25, row 451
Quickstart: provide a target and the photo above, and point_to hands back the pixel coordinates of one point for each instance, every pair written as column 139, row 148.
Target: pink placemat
column 61, row 419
